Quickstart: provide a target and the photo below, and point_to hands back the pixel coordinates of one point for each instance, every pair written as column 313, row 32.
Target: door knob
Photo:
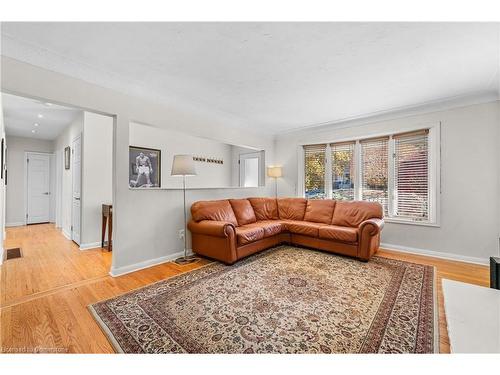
column 47, row 193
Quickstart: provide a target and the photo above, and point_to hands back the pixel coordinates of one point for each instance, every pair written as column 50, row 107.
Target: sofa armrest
column 369, row 232
column 371, row 226
column 211, row 228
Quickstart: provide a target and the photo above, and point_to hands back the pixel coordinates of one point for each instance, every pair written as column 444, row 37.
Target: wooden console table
column 107, row 217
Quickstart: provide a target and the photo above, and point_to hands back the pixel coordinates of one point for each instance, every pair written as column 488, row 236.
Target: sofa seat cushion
column 338, row 233
column 249, row 233
column 271, row 227
column 303, row 227
column 243, row 211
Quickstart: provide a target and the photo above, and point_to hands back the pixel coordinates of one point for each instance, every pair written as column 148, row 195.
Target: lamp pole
column 183, row 165
column 185, row 216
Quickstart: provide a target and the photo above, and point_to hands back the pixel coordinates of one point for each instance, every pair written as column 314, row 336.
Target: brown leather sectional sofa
column 231, row 229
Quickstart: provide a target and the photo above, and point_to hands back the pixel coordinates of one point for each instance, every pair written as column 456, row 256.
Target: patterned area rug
column 284, row 300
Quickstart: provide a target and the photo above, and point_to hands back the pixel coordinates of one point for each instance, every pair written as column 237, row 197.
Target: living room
column 277, row 187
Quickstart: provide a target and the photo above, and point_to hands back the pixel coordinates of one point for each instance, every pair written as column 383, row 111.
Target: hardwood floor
column 44, row 295
column 49, row 261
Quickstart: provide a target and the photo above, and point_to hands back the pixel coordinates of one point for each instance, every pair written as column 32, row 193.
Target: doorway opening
column 251, row 167
column 59, row 161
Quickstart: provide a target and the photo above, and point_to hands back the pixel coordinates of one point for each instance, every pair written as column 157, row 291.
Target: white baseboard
column 1, row 254
column 91, row 245
column 145, row 264
column 67, row 235
column 435, row 254
column 15, row 224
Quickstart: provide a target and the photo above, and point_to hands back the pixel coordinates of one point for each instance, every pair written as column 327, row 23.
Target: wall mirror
column 218, row 164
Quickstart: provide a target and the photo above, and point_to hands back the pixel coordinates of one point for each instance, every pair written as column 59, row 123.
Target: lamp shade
column 274, row 172
column 183, row 165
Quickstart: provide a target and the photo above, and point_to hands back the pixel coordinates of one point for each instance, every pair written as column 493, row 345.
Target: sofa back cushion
column 292, row 208
column 319, row 210
column 351, row 214
column 243, row 211
column 264, row 208
column 213, row 210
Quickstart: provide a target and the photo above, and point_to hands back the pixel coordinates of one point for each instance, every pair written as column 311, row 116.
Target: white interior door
column 76, row 166
column 38, row 188
column 58, row 184
column 249, row 169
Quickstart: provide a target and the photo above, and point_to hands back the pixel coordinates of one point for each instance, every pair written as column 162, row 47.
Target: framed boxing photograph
column 145, row 168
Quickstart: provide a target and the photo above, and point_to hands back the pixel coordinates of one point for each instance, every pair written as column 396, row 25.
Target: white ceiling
column 274, row 76
column 20, row 115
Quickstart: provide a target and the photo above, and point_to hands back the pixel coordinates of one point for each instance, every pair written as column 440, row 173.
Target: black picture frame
column 67, row 157
column 138, row 180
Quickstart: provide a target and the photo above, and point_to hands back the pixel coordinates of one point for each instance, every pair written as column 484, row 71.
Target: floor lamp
column 183, row 165
column 275, row 172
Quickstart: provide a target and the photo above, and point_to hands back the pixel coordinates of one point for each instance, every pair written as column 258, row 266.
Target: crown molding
column 400, row 112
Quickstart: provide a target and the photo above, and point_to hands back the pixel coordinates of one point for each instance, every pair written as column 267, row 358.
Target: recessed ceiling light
column 40, row 115
column 36, row 124
column 33, row 131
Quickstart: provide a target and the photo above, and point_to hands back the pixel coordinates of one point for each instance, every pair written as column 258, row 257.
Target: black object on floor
column 13, row 253
column 495, row 272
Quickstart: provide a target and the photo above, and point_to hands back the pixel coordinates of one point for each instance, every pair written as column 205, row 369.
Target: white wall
column 15, row 198
column 470, row 167
column 498, row 180
column 145, row 222
column 66, row 139
column 172, row 142
column 97, row 175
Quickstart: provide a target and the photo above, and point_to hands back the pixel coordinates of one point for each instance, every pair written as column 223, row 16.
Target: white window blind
column 374, row 171
column 343, row 170
column 400, row 171
column 411, row 176
column 314, row 171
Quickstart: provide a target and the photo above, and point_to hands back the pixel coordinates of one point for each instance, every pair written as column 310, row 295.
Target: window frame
column 434, row 171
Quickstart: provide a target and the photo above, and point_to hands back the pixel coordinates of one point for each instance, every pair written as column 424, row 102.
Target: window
column 315, row 160
column 374, row 171
column 343, row 170
column 400, row 171
column 411, row 176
